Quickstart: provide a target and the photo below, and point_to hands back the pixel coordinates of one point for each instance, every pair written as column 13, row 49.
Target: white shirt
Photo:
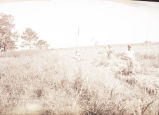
column 130, row 54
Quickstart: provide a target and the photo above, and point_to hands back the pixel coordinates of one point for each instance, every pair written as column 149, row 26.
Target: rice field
column 60, row 82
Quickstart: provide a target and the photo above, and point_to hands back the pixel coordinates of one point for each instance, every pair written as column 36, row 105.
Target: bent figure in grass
column 109, row 52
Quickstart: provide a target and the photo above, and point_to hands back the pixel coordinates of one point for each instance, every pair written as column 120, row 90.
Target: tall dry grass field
column 57, row 82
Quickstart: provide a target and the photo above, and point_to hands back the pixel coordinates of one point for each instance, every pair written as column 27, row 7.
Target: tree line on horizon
column 9, row 37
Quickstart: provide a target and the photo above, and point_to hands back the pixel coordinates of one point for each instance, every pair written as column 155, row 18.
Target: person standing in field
column 130, row 53
column 129, row 57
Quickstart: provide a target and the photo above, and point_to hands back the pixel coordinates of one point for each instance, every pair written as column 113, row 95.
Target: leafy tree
column 29, row 38
column 41, row 44
column 8, row 38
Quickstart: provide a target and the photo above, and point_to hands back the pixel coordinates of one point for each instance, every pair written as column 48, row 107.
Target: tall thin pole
column 78, row 32
column 77, row 45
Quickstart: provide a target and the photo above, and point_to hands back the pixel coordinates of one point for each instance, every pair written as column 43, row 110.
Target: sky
column 85, row 23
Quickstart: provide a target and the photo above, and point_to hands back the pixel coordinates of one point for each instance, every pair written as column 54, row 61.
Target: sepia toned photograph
column 79, row 57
